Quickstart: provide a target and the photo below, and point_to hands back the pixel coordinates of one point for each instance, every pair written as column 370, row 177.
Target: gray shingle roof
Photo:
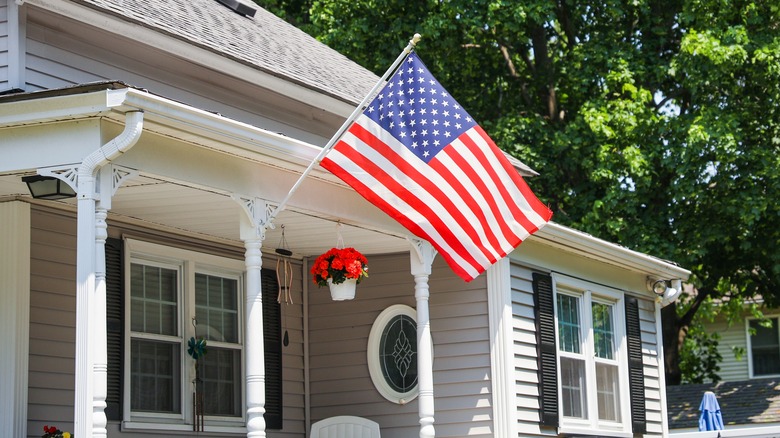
column 263, row 41
column 748, row 402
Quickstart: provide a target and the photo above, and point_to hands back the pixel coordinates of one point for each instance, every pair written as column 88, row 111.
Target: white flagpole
column 347, row 123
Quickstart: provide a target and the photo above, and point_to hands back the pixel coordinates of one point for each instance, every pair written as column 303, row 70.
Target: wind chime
column 284, row 278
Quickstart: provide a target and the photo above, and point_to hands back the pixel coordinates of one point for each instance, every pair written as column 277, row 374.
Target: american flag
column 417, row 154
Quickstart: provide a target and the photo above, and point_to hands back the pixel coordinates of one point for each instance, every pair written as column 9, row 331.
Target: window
column 587, row 382
column 764, row 341
column 392, row 354
column 168, row 296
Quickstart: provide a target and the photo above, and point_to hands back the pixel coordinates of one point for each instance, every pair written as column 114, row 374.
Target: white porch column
column 85, row 290
column 14, row 316
column 253, row 234
column 91, row 369
column 422, row 256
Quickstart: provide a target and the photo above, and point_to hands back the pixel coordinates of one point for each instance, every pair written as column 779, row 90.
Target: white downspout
column 91, row 354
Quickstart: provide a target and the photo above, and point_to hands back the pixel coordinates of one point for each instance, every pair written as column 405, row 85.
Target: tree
column 654, row 123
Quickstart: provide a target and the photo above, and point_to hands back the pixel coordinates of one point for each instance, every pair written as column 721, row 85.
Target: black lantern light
column 48, row 187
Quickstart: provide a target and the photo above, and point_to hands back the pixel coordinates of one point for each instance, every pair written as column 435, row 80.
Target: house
column 749, row 392
column 179, row 126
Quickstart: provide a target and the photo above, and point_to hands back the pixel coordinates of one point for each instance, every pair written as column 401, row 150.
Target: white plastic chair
column 345, row 426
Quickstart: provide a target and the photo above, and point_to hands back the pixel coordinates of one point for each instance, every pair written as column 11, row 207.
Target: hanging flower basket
column 341, row 269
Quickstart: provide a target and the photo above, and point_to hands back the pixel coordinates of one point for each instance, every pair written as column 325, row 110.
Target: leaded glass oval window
column 392, row 353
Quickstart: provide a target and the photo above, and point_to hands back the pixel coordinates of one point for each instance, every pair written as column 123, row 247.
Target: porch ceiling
column 179, row 208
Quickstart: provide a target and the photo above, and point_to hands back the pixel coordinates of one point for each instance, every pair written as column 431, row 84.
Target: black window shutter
column 272, row 341
column 544, row 311
column 114, row 327
column 636, row 376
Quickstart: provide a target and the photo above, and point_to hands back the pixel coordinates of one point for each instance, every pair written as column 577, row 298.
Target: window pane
column 573, row 388
column 155, row 376
column 153, row 301
column 569, row 323
column 607, row 390
column 765, row 344
column 603, row 331
column 398, row 353
column 220, row 387
column 216, row 308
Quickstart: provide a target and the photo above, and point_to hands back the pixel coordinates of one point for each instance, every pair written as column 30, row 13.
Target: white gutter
column 574, row 241
column 91, row 354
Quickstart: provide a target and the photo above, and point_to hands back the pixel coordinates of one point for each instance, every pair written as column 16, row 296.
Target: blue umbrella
column 710, row 418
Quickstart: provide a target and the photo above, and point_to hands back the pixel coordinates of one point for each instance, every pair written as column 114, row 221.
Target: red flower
column 338, row 265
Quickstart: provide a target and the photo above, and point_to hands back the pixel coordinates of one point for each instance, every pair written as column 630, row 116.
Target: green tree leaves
column 654, row 124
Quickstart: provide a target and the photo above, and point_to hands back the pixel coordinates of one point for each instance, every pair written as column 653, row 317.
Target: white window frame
column 749, row 344
column 372, row 352
column 187, row 263
column 588, row 293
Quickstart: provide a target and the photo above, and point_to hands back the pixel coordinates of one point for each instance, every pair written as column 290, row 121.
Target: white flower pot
column 342, row 291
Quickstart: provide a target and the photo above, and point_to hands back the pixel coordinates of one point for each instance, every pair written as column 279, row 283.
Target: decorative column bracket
column 110, row 178
column 425, row 253
column 258, row 213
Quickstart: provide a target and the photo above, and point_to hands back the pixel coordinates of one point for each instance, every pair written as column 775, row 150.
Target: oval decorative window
column 392, row 353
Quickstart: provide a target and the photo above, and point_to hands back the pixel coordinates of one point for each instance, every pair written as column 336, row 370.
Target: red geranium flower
column 338, row 265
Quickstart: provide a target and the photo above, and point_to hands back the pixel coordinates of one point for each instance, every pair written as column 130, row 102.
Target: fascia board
column 195, row 54
column 223, row 134
column 583, row 244
column 58, row 108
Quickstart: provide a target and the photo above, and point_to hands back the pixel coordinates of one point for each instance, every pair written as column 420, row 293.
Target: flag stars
column 435, row 122
column 447, row 134
column 436, row 132
column 413, row 134
column 425, row 154
column 414, row 144
column 436, row 143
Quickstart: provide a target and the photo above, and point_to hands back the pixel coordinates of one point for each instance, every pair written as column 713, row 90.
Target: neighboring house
column 749, row 393
column 180, row 124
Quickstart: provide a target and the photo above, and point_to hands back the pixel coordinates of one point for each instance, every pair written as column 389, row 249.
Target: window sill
column 573, row 431
column 181, row 429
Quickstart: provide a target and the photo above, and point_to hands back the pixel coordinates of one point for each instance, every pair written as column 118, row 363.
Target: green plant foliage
column 654, row 124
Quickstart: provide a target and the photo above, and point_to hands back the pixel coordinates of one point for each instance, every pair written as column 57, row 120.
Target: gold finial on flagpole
column 413, row 42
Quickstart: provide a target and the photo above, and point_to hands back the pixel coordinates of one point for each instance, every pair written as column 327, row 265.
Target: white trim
column 502, row 358
column 577, row 242
column 661, row 368
column 17, row 45
column 372, row 354
column 14, row 316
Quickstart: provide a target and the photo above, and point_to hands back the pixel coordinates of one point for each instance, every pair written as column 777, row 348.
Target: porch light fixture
column 48, row 187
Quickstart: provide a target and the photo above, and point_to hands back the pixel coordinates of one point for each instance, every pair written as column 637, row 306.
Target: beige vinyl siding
column 53, row 322
column 340, row 380
column 651, row 358
column 524, row 339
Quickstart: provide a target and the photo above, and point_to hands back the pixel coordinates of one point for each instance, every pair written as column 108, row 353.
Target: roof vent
column 239, row 7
